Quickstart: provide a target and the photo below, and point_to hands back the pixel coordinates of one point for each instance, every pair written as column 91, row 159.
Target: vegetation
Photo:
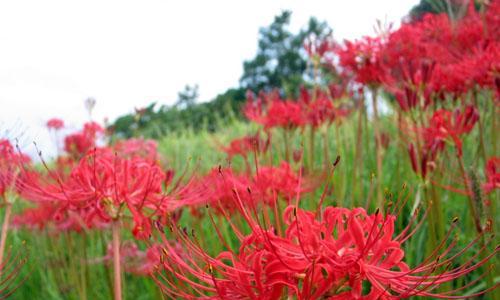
column 376, row 177
column 281, row 62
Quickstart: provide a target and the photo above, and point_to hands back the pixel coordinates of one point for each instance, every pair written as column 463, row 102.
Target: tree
column 454, row 9
column 281, row 61
column 187, row 97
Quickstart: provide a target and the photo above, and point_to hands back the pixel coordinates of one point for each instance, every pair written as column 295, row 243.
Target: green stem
column 358, row 163
column 326, row 148
column 312, row 134
column 287, row 146
column 378, row 150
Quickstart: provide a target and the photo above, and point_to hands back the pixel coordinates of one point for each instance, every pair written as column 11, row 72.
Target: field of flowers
column 379, row 180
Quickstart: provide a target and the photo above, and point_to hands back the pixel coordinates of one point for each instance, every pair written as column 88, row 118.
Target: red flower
column 463, row 54
column 446, row 125
column 318, row 48
column 328, row 257
column 317, row 108
column 102, row 187
column 79, row 143
column 266, row 186
column 272, row 111
column 362, row 60
column 492, row 172
column 270, row 182
column 147, row 149
column 10, row 162
column 55, row 124
column 247, row 144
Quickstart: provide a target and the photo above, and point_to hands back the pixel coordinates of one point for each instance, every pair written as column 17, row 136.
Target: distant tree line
column 454, row 9
column 280, row 63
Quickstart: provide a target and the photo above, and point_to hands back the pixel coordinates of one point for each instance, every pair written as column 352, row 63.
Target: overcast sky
column 126, row 54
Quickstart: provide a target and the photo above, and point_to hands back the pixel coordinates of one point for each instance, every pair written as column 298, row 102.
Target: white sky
column 126, row 54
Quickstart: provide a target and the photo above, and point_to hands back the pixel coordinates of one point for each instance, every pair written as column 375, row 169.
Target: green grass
column 55, row 265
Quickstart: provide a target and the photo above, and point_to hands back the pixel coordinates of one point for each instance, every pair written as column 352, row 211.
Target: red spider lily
column 361, row 59
column 270, row 182
column 271, row 111
column 328, row 257
column 317, row 107
column 105, row 188
column 427, row 160
column 77, row 144
column 446, row 125
column 462, row 54
column 217, row 194
column 247, row 144
column 9, row 173
column 414, row 83
column 100, row 187
column 55, row 124
column 492, row 172
column 284, row 114
column 266, row 186
column 147, row 149
column 339, row 90
column 10, row 161
column 317, row 48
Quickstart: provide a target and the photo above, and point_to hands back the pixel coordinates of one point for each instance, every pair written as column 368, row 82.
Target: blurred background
column 128, row 55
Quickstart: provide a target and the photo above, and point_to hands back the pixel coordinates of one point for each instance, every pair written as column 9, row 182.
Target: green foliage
column 454, row 9
column 155, row 123
column 281, row 61
column 187, row 97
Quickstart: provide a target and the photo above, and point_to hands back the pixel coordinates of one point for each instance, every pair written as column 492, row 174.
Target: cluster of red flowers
column 444, row 127
column 333, row 255
column 98, row 188
column 347, row 253
column 80, row 142
column 92, row 186
column 251, row 144
column 311, row 108
column 278, row 249
column 433, row 56
column 266, row 186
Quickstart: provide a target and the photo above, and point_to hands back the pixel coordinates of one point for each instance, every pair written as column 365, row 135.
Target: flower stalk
column 5, row 230
column 117, row 278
